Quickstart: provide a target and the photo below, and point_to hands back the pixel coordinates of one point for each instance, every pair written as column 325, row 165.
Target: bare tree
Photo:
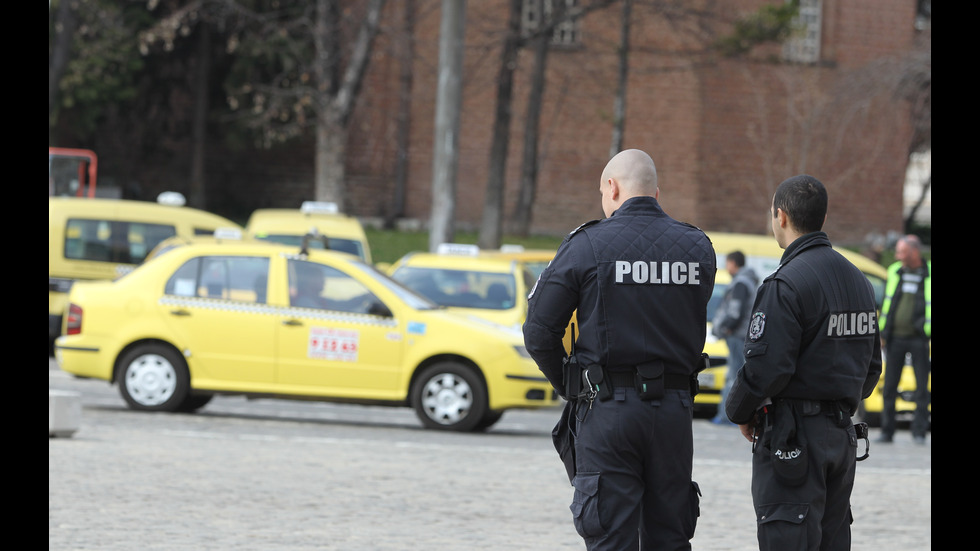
column 298, row 66
column 448, row 100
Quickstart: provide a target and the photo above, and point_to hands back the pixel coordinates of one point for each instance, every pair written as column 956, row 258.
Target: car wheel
column 153, row 378
column 450, row 396
column 490, row 419
column 194, row 402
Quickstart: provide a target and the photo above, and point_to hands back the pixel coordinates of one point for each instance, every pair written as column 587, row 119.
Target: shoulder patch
column 757, row 326
column 580, row 228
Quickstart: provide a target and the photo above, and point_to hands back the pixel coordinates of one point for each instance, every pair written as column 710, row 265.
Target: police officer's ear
column 782, row 219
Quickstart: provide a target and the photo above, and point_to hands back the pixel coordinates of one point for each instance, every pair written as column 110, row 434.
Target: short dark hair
column 737, row 257
column 804, row 199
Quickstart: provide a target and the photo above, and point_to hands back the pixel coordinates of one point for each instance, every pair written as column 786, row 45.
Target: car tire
column 450, row 396
column 194, row 402
column 489, row 419
column 153, row 377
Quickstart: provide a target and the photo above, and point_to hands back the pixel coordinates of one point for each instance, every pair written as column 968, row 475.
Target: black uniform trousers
column 895, row 350
column 633, row 487
column 817, row 514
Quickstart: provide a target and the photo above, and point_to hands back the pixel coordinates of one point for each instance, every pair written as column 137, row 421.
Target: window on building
column 804, row 45
column 536, row 13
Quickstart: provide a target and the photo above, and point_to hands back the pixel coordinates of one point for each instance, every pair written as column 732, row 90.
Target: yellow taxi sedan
column 264, row 319
column 469, row 281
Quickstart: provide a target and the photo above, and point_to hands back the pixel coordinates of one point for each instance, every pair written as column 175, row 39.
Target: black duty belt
column 627, row 379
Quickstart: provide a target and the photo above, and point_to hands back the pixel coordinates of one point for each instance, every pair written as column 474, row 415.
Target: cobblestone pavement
column 299, row 476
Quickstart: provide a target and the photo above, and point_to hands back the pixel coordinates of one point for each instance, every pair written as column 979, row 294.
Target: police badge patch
column 757, row 325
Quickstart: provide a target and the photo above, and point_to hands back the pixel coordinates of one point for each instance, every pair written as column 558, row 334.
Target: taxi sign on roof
column 172, row 198
column 319, row 207
column 228, row 233
column 459, row 249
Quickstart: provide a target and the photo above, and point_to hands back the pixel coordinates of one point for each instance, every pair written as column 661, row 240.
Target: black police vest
column 655, row 276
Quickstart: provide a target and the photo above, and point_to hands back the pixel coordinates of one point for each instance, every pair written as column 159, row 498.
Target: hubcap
column 151, row 380
column 447, row 399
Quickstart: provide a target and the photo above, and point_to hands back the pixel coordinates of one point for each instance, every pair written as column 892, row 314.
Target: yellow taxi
column 266, row 319
column 336, row 230
column 762, row 254
column 464, row 279
column 97, row 238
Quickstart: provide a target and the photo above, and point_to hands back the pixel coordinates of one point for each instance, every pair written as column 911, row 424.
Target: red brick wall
column 723, row 133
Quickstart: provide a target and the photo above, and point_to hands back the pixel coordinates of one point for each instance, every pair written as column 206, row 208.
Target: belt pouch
column 788, row 446
column 650, row 380
column 595, row 380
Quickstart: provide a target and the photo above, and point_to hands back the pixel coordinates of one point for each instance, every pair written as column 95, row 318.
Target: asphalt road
column 286, row 475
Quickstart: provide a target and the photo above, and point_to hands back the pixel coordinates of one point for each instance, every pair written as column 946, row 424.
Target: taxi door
column 337, row 343
column 217, row 307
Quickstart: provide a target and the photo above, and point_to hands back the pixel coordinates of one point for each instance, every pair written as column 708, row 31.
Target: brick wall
column 723, row 133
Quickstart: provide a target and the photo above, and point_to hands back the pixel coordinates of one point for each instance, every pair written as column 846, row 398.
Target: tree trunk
column 490, row 227
column 529, row 170
column 336, row 100
column 405, row 50
column 64, row 30
column 331, row 150
column 619, row 103
column 448, row 99
column 198, row 189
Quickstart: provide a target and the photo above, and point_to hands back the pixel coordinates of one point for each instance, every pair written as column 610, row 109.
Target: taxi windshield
column 411, row 297
column 461, row 288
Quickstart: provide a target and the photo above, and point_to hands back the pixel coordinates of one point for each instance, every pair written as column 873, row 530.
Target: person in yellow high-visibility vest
column 906, row 328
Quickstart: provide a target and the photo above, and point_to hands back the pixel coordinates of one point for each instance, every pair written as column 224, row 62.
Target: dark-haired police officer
column 640, row 282
column 811, row 355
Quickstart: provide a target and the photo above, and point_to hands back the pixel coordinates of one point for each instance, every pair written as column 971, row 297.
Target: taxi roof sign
column 319, row 207
column 172, row 198
column 511, row 248
column 228, row 233
column 458, row 249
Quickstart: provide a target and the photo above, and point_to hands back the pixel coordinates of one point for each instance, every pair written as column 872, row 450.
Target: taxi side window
column 112, row 241
column 313, row 285
column 238, row 278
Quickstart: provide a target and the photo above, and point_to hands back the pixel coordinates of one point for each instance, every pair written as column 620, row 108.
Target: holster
column 572, row 375
column 563, row 436
column 787, row 446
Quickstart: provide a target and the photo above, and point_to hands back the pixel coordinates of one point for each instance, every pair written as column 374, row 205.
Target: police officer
column 811, row 354
column 640, row 282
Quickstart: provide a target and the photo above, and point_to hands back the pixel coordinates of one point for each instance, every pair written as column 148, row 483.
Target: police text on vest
column 851, row 324
column 664, row 273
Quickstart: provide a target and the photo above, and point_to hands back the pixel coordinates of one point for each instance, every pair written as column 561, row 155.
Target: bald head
column 630, row 173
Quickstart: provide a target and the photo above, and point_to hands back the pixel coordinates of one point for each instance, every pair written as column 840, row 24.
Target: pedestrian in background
column 813, row 353
column 640, row 282
column 732, row 321
column 906, row 328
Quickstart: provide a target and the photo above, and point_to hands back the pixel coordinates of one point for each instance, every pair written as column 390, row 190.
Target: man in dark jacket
column 732, row 321
column 812, row 355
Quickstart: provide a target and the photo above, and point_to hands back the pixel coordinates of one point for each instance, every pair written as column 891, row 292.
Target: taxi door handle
column 291, row 322
column 180, row 312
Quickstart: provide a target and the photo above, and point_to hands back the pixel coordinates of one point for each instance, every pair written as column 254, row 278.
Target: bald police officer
column 811, row 355
column 640, row 282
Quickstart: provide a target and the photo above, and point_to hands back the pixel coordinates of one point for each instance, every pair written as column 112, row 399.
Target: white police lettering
column 663, row 273
column 851, row 324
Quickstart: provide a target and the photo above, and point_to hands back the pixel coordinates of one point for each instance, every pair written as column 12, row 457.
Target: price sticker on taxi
column 333, row 344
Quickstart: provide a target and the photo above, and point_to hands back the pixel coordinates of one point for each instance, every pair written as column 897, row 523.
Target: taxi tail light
column 74, row 324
